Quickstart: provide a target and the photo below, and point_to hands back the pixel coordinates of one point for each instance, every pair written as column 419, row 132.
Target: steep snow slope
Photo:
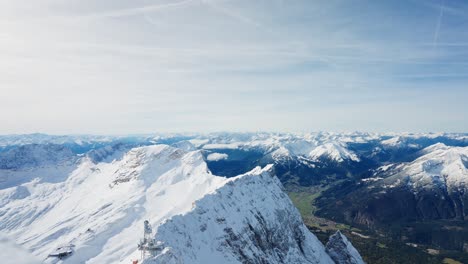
column 342, row 251
column 100, row 207
column 255, row 223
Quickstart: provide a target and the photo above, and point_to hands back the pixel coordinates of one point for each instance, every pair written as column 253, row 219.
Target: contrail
column 439, row 21
column 136, row 10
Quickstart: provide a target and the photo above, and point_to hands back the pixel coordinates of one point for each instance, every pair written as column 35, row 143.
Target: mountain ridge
column 100, row 205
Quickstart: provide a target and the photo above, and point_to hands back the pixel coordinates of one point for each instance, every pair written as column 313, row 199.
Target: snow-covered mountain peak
column 333, row 151
column 255, row 223
column 281, row 154
column 169, row 163
column 394, row 141
column 401, row 141
column 438, row 145
column 99, row 207
column 435, row 147
column 440, row 166
column 342, row 251
column 441, row 154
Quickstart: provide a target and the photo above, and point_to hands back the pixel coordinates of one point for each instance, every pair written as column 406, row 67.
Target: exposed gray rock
column 342, row 251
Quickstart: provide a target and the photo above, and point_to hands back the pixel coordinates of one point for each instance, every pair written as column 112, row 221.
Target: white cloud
column 217, row 156
column 14, row 253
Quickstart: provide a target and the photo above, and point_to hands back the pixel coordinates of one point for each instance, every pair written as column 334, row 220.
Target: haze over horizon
column 227, row 132
column 133, row 67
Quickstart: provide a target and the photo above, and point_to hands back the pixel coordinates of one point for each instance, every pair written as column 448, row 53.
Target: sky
column 140, row 66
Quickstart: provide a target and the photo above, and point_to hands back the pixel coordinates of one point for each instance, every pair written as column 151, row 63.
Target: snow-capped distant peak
column 399, row 141
column 435, row 147
column 394, row 141
column 342, row 251
column 280, row 154
column 333, row 152
column 440, row 166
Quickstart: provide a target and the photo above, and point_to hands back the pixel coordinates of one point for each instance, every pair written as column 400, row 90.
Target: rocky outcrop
column 342, row 251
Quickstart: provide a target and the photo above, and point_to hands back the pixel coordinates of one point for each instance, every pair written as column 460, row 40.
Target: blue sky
column 122, row 66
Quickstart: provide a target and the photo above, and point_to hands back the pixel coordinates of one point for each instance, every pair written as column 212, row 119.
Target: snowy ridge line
column 243, row 228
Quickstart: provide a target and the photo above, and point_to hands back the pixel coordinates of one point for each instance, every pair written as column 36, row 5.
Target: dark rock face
column 370, row 207
column 268, row 239
column 385, row 206
column 342, row 251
